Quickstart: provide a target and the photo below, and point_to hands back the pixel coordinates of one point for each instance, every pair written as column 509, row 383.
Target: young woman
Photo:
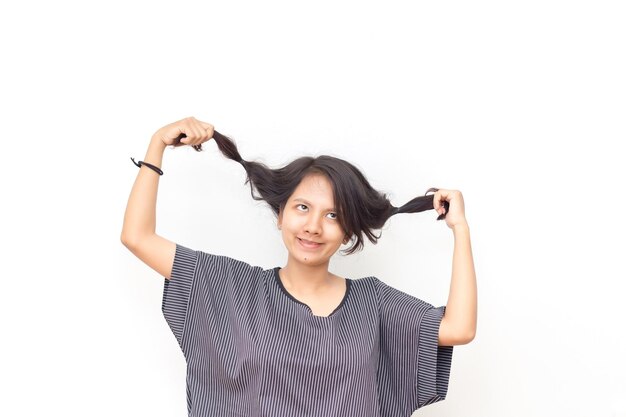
column 299, row 340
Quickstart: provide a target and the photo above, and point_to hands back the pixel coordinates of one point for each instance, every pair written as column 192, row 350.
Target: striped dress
column 254, row 350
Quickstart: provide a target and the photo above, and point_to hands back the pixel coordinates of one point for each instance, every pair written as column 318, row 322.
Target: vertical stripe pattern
column 252, row 349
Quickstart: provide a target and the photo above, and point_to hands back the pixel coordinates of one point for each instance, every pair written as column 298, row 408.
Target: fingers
column 438, row 200
column 208, row 127
column 442, row 198
column 197, row 131
column 437, row 204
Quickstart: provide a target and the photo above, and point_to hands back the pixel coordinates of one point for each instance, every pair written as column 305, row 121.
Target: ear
column 280, row 218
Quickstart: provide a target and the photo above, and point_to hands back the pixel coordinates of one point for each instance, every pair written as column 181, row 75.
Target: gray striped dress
column 254, row 350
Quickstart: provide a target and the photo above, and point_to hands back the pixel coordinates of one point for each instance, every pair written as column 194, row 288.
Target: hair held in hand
column 360, row 208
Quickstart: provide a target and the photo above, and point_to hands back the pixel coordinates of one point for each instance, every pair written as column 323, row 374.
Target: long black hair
column 360, row 208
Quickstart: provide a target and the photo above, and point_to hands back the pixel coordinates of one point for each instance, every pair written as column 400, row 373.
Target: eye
column 334, row 214
column 301, row 205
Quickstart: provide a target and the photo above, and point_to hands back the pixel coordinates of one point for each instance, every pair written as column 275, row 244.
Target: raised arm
column 458, row 325
column 139, row 229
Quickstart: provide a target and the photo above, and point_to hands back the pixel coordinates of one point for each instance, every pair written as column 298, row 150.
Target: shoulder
column 366, row 288
column 221, row 266
column 367, row 282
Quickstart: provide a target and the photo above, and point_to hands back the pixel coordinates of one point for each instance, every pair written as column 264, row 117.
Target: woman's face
column 309, row 224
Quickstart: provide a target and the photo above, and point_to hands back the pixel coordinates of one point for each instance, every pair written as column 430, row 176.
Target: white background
column 519, row 105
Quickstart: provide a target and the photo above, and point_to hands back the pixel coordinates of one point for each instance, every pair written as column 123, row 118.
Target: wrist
column 156, row 141
column 460, row 227
column 154, row 154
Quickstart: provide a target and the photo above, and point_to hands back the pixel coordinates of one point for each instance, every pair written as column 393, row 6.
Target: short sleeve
column 204, row 296
column 413, row 371
column 177, row 290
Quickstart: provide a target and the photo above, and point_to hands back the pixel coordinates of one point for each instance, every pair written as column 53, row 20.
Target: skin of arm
column 458, row 326
column 140, row 215
column 138, row 231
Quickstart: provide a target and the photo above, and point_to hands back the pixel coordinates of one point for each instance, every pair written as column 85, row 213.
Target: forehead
column 315, row 190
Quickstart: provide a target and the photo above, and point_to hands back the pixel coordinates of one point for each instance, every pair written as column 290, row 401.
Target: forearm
column 140, row 215
column 461, row 309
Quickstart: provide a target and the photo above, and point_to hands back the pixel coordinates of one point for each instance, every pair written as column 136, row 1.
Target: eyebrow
column 307, row 202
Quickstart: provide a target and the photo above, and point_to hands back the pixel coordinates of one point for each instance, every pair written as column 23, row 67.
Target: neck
column 305, row 279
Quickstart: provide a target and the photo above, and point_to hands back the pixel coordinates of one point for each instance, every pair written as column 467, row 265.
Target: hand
column 188, row 131
column 456, row 214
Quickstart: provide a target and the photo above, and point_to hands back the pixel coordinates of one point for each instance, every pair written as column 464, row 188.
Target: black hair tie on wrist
column 140, row 163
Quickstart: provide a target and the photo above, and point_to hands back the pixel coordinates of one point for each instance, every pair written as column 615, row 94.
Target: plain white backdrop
column 519, row 105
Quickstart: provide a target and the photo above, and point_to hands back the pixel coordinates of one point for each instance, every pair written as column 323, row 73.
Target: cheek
column 339, row 235
column 291, row 223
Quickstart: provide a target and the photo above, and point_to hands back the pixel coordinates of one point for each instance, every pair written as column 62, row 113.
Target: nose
column 312, row 225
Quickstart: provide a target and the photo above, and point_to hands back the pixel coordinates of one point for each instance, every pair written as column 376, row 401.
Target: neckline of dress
column 291, row 297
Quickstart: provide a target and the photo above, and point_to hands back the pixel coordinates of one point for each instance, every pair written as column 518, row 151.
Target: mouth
column 308, row 244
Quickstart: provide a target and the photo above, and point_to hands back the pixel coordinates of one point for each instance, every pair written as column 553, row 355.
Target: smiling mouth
column 309, row 244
